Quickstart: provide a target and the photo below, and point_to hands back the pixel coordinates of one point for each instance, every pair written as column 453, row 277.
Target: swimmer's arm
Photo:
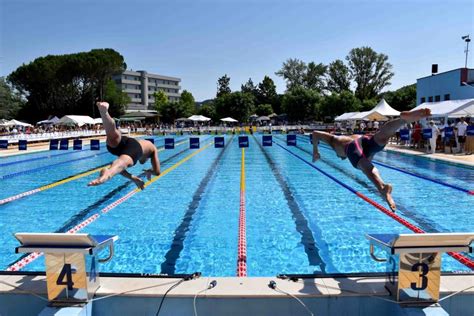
column 155, row 162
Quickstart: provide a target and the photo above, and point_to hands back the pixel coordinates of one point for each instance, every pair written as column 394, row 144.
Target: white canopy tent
column 451, row 108
column 229, row 120
column 76, row 120
column 15, row 123
column 199, row 118
column 368, row 116
column 346, row 116
column 385, row 109
column 98, row 120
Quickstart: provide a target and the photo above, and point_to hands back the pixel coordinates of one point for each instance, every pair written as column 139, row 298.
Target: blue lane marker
column 415, row 175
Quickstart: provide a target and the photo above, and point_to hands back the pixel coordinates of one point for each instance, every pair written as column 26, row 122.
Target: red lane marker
column 242, row 245
column 462, row 259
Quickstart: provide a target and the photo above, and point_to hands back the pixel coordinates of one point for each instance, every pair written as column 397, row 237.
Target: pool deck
column 239, row 296
column 463, row 159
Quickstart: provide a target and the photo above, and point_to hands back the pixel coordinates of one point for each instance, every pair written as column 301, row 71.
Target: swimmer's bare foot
column 387, row 193
column 411, row 116
column 103, row 176
column 103, row 107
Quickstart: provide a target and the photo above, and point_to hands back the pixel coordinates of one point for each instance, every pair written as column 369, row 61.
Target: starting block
column 72, row 274
column 413, row 262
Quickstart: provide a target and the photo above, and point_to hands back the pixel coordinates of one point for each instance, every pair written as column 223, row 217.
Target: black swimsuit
column 127, row 146
column 364, row 146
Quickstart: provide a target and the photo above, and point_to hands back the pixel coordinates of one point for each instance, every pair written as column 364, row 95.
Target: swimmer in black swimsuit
column 128, row 150
column 361, row 149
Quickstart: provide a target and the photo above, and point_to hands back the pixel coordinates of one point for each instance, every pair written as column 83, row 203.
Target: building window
column 447, row 97
column 430, row 99
column 422, row 100
column 437, row 98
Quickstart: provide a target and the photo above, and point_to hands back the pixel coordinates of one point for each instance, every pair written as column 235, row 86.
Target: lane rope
column 35, row 255
column 462, row 259
column 416, row 175
column 63, row 181
column 242, row 243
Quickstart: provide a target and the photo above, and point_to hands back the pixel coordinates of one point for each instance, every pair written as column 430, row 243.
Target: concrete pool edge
column 231, row 292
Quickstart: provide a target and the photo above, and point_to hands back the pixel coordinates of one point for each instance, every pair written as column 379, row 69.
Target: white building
column 140, row 87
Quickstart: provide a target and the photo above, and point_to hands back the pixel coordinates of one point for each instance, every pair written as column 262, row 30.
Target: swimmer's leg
column 390, row 128
column 113, row 135
column 118, row 166
column 373, row 174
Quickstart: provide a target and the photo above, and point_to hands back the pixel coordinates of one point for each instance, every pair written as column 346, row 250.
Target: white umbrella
column 199, row 118
column 229, row 119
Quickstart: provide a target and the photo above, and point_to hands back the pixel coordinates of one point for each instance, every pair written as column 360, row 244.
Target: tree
column 161, row 99
column 10, row 101
column 223, row 86
column 403, row 99
column 314, row 76
column 337, row 103
column 266, row 92
column 264, row 109
column 249, row 87
column 293, row 72
column 187, row 104
column 338, row 77
column 208, row 109
column 370, row 70
column 65, row 84
column 236, row 104
column 116, row 98
column 301, row 104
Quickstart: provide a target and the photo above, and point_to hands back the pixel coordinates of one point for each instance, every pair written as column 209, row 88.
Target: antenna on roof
column 467, row 40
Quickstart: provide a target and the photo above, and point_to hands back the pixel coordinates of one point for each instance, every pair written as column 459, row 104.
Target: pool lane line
column 422, row 222
column 33, row 256
column 15, row 174
column 38, row 158
column 462, row 259
column 177, row 245
column 11, row 175
column 77, row 218
column 416, row 175
column 242, row 238
column 301, row 223
column 62, row 181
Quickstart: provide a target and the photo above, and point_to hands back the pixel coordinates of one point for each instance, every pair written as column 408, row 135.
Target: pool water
column 298, row 220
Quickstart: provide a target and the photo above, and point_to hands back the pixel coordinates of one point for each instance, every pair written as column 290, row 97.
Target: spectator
column 434, row 136
column 416, row 134
column 462, row 128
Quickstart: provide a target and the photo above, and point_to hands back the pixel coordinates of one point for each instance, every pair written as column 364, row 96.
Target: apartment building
column 140, row 87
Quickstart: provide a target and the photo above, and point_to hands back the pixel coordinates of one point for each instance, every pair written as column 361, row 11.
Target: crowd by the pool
column 450, row 137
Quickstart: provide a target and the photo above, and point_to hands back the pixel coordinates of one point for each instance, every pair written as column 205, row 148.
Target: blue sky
column 200, row 41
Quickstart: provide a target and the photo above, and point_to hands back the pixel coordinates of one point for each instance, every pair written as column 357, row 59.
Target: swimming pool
column 298, row 219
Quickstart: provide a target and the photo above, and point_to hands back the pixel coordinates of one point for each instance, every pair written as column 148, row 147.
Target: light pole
column 467, row 40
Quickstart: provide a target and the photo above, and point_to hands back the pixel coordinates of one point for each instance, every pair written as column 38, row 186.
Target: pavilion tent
column 182, row 119
column 368, row 116
column 98, row 120
column 229, row 120
column 451, row 108
column 385, row 109
column 346, row 116
column 15, row 123
column 53, row 120
column 263, row 118
column 76, row 120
